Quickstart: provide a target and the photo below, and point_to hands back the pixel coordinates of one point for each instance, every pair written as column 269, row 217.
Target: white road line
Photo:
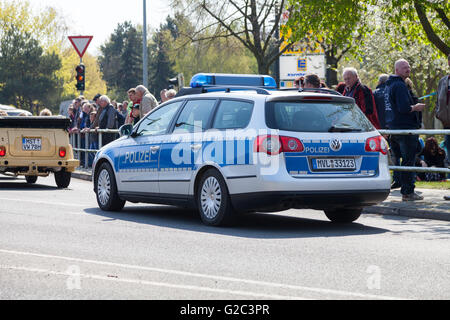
column 155, row 283
column 206, row 276
column 45, row 202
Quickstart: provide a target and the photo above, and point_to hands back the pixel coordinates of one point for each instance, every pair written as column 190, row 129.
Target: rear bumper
column 37, row 167
column 320, row 200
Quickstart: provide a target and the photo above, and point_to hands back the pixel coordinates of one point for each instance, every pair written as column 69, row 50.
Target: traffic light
column 80, row 70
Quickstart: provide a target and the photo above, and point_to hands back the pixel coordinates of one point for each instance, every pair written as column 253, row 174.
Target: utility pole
column 144, row 48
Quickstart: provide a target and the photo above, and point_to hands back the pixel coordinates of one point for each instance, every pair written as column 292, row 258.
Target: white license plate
column 31, row 144
column 333, row 164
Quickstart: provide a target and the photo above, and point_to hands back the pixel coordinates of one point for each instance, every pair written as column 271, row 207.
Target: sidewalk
column 432, row 207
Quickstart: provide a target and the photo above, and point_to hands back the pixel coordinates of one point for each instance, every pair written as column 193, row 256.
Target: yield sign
column 80, row 43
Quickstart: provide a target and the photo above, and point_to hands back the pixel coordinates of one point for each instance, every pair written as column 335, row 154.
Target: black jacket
column 398, row 102
column 378, row 95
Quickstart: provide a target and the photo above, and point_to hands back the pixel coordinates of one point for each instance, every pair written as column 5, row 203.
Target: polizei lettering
column 143, row 156
column 317, row 149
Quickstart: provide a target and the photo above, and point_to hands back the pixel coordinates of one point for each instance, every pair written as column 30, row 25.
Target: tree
column 27, row 74
column 121, row 59
column 339, row 27
column 432, row 15
column 253, row 23
column 161, row 64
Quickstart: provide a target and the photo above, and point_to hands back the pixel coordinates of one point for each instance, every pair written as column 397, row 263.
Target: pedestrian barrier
column 79, row 152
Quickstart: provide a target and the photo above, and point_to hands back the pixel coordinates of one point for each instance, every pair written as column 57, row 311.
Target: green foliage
column 423, row 21
column 121, row 58
column 161, row 65
column 27, row 75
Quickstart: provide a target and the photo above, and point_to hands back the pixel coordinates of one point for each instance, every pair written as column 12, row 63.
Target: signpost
column 80, row 43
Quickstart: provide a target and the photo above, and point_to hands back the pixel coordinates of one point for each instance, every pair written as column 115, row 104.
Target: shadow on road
column 254, row 225
column 22, row 185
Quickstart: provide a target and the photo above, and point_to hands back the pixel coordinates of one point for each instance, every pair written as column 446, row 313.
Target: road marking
column 45, row 202
column 156, row 283
column 207, row 276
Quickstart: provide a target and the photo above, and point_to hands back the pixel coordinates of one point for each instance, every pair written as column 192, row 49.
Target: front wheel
column 106, row 189
column 62, row 179
column 213, row 200
column 344, row 215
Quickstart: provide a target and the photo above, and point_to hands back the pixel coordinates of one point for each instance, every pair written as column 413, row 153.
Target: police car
column 235, row 144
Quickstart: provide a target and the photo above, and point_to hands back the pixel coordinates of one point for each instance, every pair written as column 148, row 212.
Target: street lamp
column 144, row 48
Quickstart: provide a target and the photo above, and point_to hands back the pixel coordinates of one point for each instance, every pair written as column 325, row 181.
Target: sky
column 99, row 18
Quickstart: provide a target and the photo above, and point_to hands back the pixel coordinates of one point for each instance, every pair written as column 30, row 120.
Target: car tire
column 213, row 200
column 62, row 179
column 344, row 215
column 31, row 179
column 106, row 189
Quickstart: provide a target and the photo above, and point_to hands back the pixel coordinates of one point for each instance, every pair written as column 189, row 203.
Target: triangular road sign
column 80, row 43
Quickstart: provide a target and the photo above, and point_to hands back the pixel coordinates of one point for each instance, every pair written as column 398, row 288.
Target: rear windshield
column 316, row 117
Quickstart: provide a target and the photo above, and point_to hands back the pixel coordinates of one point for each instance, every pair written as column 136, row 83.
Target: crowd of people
column 394, row 105
column 103, row 113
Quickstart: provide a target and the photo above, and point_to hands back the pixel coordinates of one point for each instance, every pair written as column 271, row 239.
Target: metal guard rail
column 78, row 151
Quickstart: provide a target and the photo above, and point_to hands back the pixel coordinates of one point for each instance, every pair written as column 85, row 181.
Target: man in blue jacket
column 404, row 114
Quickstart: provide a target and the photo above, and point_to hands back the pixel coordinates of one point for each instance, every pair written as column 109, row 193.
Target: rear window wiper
column 343, row 129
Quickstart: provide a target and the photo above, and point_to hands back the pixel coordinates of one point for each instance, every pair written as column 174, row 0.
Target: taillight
column 62, row 152
column 2, row 151
column 376, row 144
column 274, row 145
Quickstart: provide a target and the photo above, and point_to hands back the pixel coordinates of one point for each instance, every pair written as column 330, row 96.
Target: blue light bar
column 220, row 79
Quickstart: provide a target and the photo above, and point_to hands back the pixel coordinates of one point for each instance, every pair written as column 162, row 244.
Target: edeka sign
column 292, row 67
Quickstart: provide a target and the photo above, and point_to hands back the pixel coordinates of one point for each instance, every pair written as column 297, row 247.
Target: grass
column 443, row 185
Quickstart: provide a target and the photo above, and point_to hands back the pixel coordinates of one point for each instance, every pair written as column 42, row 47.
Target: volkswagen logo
column 335, row 144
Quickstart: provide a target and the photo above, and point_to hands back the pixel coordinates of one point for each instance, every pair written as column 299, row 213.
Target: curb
column 408, row 212
column 82, row 176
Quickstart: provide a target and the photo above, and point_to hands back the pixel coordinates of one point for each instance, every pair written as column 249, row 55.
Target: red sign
column 80, row 43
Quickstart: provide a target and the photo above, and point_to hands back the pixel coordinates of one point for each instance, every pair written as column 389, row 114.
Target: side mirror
column 126, row 130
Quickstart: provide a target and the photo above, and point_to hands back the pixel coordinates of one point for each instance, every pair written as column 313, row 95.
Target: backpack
column 120, row 119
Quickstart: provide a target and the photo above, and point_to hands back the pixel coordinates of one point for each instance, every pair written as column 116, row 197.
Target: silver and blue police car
column 232, row 144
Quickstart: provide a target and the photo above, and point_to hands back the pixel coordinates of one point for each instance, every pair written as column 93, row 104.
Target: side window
column 233, row 114
column 158, row 121
column 195, row 116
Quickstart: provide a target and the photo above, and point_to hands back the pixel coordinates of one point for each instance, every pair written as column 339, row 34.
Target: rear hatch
column 32, row 136
column 325, row 136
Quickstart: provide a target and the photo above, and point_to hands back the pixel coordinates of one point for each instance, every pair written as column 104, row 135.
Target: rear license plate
column 31, row 144
column 333, row 164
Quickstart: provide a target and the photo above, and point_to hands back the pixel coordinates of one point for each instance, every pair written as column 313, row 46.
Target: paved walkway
column 432, row 207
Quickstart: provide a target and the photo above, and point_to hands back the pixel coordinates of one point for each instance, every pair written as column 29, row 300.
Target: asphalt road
column 57, row 244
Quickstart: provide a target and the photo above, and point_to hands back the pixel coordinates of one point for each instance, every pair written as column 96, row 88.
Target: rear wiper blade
column 343, row 129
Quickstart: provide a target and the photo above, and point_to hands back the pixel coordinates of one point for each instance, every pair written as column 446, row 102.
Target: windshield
column 316, row 117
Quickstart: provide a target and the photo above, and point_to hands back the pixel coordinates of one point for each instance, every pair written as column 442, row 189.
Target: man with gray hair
column 107, row 119
column 148, row 101
column 362, row 94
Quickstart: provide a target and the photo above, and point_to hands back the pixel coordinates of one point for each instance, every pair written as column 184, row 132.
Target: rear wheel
column 344, row 215
column 62, row 178
column 213, row 200
column 106, row 189
column 31, row 179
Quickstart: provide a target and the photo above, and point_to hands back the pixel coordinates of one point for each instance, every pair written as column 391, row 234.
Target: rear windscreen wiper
column 343, row 129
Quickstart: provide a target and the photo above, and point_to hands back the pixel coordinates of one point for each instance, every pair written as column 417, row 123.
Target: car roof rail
column 258, row 90
column 320, row 90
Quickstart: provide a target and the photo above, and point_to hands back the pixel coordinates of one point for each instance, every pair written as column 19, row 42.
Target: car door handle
column 153, row 149
column 196, row 147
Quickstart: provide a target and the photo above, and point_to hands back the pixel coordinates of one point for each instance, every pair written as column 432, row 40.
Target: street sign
column 80, row 43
